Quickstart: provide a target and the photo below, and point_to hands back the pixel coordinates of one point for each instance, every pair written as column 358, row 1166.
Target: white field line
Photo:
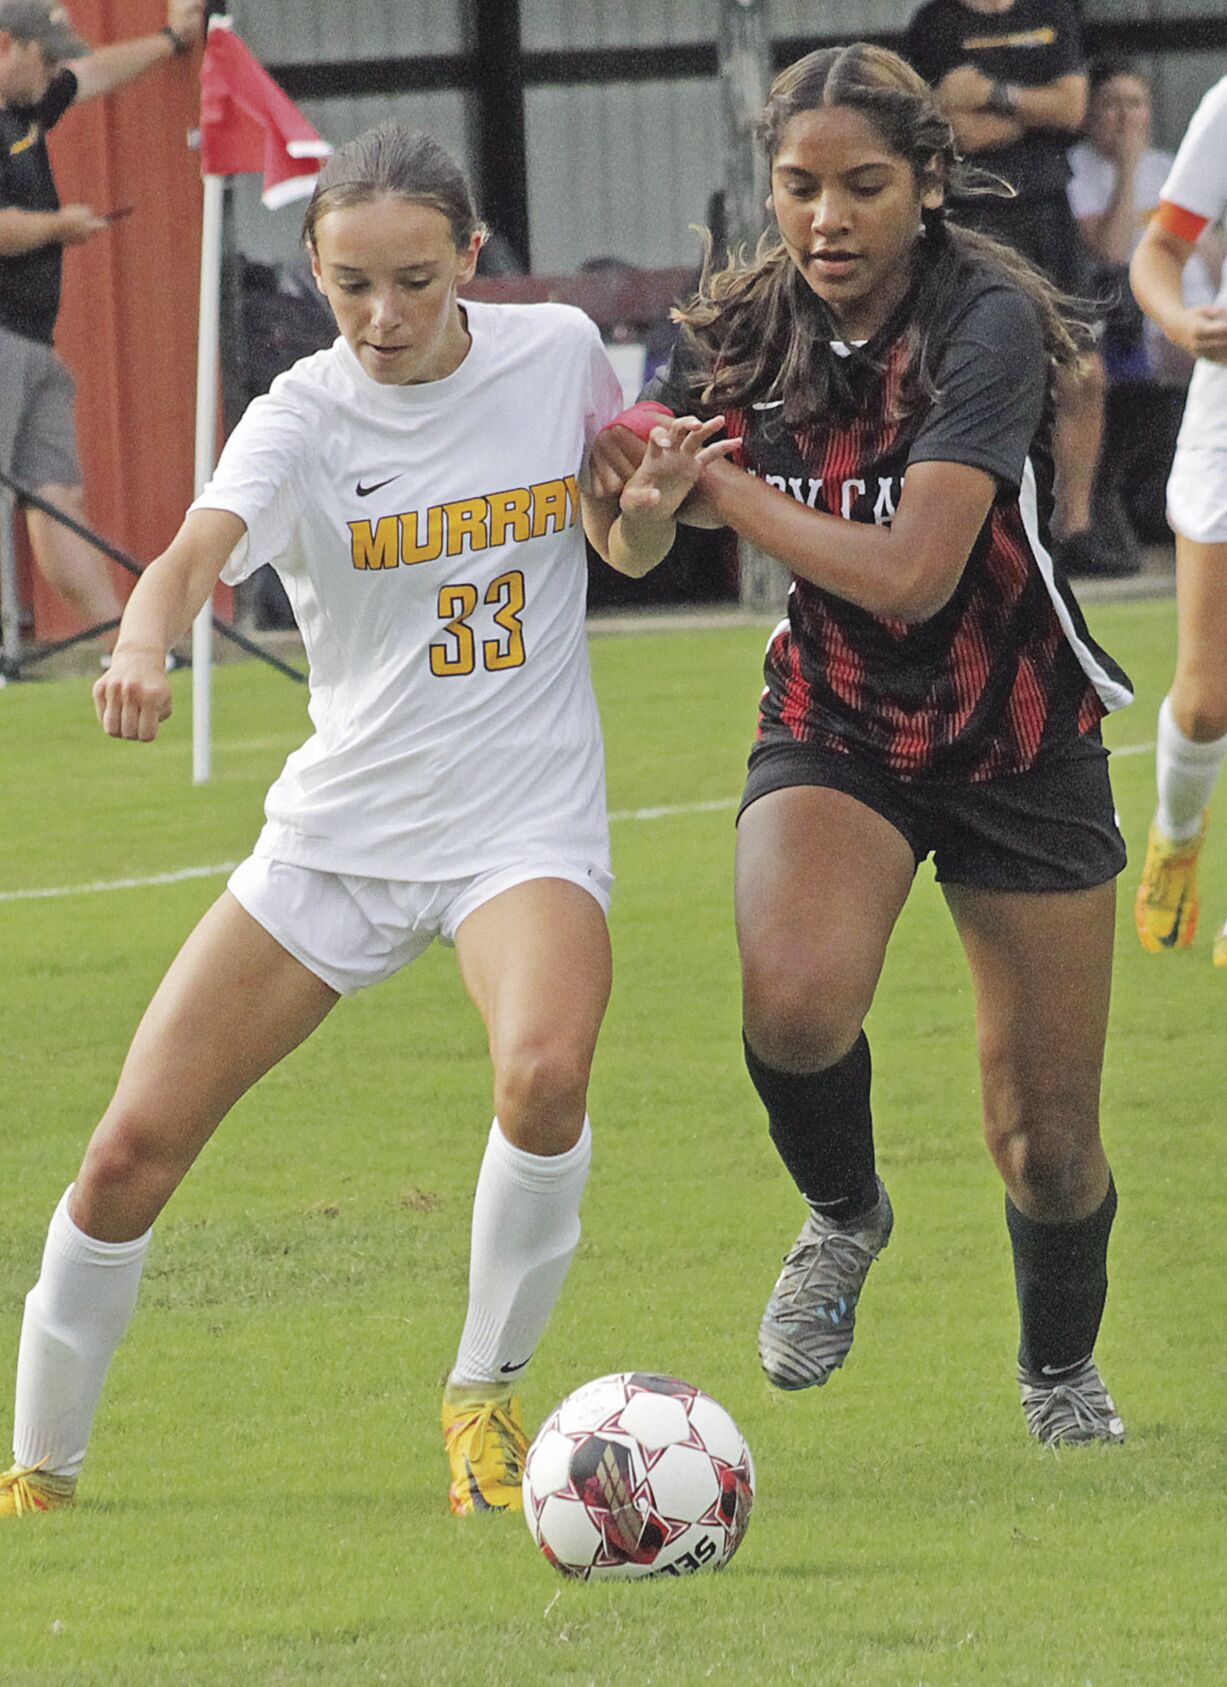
column 182, row 874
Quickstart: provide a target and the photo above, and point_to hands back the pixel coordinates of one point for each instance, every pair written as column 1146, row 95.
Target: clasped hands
column 660, row 478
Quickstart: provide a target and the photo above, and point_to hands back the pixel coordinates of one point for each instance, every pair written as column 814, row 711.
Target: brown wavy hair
column 756, row 328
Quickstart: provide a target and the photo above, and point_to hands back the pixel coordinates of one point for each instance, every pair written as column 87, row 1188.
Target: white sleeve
column 603, row 399
column 259, row 478
column 1197, row 181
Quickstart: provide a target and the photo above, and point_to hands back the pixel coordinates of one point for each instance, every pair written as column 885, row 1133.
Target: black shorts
column 1051, row 828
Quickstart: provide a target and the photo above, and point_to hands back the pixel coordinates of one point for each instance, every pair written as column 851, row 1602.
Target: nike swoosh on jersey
column 365, row 491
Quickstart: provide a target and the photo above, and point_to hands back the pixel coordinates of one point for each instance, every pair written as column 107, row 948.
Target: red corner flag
column 248, row 125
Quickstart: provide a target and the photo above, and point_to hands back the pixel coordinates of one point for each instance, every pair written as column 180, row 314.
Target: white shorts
column 1197, row 493
column 353, row 931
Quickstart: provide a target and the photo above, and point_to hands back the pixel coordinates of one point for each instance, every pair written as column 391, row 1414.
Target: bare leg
column 1199, row 689
column 821, row 880
column 536, row 962
column 71, row 566
column 1042, row 970
column 1077, row 437
column 232, row 1005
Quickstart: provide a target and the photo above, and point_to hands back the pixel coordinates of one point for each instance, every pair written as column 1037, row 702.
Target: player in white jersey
column 415, row 487
column 1192, row 736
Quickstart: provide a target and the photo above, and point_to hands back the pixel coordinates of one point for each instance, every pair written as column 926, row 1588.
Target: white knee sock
column 75, row 1317
column 1186, row 774
column 525, row 1231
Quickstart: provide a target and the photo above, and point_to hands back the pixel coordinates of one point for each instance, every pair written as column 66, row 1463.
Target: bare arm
column 25, row 231
column 1155, row 276
column 132, row 698
column 983, row 131
column 108, row 68
column 906, row 571
column 964, row 91
column 1060, row 104
column 1109, row 233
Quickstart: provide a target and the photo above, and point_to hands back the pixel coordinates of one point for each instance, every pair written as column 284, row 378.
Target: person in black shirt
column 44, row 69
column 887, row 378
column 1009, row 75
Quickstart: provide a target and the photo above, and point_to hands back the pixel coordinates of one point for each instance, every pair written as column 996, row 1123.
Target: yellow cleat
column 1220, row 948
column 1167, row 901
column 25, row 1489
column 486, row 1444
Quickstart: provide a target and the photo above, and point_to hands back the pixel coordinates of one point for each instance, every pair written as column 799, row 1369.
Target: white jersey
column 1197, row 185
column 429, row 541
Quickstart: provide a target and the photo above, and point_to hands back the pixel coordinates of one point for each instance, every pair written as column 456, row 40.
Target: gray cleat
column 1073, row 1409
column 808, row 1325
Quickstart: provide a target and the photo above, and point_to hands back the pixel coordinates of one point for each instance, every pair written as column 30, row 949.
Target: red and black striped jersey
column 1006, row 671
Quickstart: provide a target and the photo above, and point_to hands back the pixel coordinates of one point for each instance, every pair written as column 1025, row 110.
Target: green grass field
column 265, row 1498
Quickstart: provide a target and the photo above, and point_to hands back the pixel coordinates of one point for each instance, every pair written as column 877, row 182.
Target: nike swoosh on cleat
column 365, row 491
column 480, row 1502
column 1170, row 941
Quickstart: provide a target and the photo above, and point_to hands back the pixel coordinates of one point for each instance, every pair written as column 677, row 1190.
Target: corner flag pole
column 206, row 450
column 247, row 126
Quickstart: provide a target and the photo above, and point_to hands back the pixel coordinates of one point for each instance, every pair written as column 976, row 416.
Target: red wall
column 128, row 324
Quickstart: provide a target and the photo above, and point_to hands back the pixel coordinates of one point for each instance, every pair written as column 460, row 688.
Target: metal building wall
column 614, row 169
column 625, row 169
column 274, row 235
column 303, row 31
column 299, row 31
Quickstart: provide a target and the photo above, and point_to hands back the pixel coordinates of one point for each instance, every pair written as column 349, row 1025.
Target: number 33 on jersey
column 465, row 525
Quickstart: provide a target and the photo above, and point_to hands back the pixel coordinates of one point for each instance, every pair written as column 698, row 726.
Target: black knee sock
column 822, row 1127
column 1061, row 1274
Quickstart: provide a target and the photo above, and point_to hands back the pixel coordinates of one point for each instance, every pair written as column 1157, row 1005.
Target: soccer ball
column 638, row 1475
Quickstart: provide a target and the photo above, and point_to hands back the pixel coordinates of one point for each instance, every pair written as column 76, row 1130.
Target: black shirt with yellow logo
column 1032, row 43
column 30, row 283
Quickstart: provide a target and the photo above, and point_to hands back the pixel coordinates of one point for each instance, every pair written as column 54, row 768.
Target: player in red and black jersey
column 933, row 691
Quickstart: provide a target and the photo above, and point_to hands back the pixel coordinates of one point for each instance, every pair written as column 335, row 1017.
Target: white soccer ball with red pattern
column 638, row 1475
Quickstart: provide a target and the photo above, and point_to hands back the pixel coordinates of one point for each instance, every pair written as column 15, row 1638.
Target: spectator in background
column 1113, row 191
column 1009, row 76
column 45, row 67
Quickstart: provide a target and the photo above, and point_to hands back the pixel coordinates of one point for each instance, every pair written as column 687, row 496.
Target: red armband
column 1174, row 219
column 641, row 418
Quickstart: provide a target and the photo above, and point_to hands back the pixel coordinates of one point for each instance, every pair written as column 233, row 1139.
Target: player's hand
column 615, row 455
column 133, row 698
column 186, row 18
column 677, row 453
column 79, row 223
column 1202, row 330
